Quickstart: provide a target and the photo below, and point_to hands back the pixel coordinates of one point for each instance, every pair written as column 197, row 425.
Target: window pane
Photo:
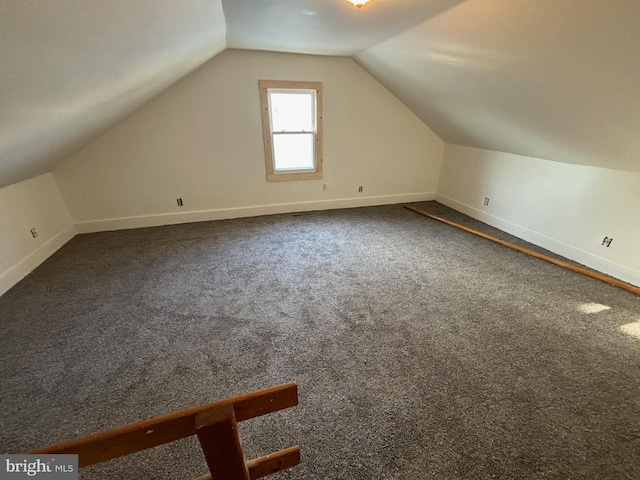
column 292, row 112
column 293, row 151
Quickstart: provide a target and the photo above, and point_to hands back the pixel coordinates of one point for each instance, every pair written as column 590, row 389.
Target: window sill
column 284, row 177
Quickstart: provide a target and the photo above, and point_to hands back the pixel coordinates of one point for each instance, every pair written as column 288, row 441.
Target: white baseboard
column 239, row 212
column 25, row 266
column 29, row 263
column 590, row 260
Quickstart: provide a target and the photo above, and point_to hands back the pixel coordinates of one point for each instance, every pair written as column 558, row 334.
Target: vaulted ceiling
column 555, row 79
column 322, row 27
column 71, row 70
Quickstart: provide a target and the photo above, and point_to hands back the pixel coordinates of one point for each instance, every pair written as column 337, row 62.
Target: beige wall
column 201, row 140
column 568, row 209
column 33, row 203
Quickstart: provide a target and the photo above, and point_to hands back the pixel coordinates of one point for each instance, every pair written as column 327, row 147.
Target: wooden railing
column 215, row 425
column 584, row 271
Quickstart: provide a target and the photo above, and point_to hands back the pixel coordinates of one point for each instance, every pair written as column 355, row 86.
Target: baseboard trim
column 157, row 220
column 590, row 260
column 24, row 267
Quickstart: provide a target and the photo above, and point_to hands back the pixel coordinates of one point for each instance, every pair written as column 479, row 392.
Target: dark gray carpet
column 421, row 351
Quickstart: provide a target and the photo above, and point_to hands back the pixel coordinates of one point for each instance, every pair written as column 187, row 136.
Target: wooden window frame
column 279, row 176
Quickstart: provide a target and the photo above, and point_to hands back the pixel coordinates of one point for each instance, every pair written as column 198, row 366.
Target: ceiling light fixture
column 358, row 3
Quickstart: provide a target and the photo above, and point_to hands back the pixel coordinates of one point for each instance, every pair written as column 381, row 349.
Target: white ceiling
column 71, row 69
column 323, row 27
column 555, row 79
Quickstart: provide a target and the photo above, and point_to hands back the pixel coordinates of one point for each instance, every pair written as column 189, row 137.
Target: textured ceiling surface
column 544, row 78
column 72, row 69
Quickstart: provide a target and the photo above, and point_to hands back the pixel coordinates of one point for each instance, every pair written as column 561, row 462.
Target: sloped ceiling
column 555, row 79
column 70, row 70
column 322, row 27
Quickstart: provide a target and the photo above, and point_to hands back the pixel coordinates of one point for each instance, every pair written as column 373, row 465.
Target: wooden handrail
column 213, row 423
column 570, row 266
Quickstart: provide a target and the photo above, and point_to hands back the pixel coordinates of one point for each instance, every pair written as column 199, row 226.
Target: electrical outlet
column 360, row 189
column 179, row 201
column 486, row 201
column 606, row 242
column 34, row 233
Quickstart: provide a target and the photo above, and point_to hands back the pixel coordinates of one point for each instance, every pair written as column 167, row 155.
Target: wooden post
column 217, row 432
column 268, row 464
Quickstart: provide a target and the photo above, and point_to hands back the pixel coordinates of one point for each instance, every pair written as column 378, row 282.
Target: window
column 292, row 128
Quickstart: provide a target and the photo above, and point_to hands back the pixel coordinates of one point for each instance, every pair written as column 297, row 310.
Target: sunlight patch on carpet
column 593, row 307
column 632, row 329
